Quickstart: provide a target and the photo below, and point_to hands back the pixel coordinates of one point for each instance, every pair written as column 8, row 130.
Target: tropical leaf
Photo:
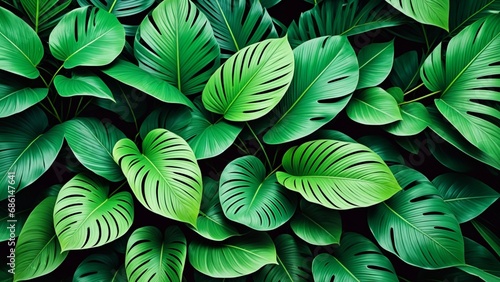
column 37, row 250
column 82, row 84
column 294, row 262
column 414, row 119
column 489, row 236
column 132, row 75
column 317, row 225
column 20, row 48
column 120, row 8
column 22, row 211
column 269, row 3
column 27, row 147
column 200, row 277
column 467, row 197
column 100, row 267
column 326, row 72
column 466, row 80
column 171, row 117
column 397, row 93
column 340, row 17
column 464, row 13
column 480, row 262
column 234, row 257
column 212, row 223
column 238, row 24
column 44, row 14
column 153, row 257
column 93, row 220
column 252, row 198
column 383, row 147
column 332, row 134
column 405, row 72
column 373, row 106
column 87, row 37
column 177, row 45
column 337, row 175
column 418, row 215
column 165, row 177
column 375, row 63
column 250, row 83
column 450, row 156
column 433, row 12
column 92, row 143
column 357, row 259
column 15, row 96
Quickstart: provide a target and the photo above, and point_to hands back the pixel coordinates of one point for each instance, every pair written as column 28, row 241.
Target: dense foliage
column 179, row 140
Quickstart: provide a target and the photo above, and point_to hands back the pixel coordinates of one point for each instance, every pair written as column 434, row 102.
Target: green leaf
column 21, row 214
column 326, row 72
column 153, row 257
column 20, row 48
column 44, row 14
column 480, row 262
column 132, row 75
column 332, row 134
column 92, row 143
column 86, row 216
column 337, row 175
column 405, row 72
column 165, row 177
column 27, row 147
column 15, row 97
column 82, row 84
column 252, row 198
column 234, row 257
column 450, row 156
column 100, row 267
column 373, row 106
column 269, row 3
column 414, row 119
column 375, row 63
column 357, row 259
column 170, row 117
column 464, row 13
column 466, row 196
column 338, row 17
column 87, row 37
column 177, row 45
column 396, row 93
column 294, row 262
column 120, row 8
column 420, row 216
column 466, row 80
column 317, row 225
column 252, row 82
column 382, row 147
column 237, row 24
column 212, row 223
column 37, row 250
column 490, row 237
column 433, row 12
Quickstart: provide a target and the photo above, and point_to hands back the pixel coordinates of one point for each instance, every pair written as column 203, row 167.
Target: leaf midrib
column 228, row 27
column 376, row 109
column 24, row 151
column 280, row 262
column 346, row 269
column 374, row 57
column 471, row 198
column 321, row 227
column 18, row 49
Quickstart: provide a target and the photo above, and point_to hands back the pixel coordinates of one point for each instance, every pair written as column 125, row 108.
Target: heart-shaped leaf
column 85, row 216
column 165, row 177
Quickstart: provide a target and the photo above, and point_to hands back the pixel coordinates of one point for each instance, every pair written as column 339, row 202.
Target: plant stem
column 116, row 190
column 420, row 98
column 44, row 82
column 79, row 103
column 69, row 107
column 131, row 110
column 274, row 170
column 83, row 108
column 244, row 146
column 54, row 109
column 415, row 88
column 239, row 148
column 54, row 76
column 260, row 144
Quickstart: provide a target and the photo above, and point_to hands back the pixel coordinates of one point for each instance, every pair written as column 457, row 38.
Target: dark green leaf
column 15, row 96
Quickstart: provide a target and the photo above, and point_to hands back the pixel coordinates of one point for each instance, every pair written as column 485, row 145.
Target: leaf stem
column 79, row 103
column 54, row 109
column 420, row 98
column 44, row 82
column 69, row 107
column 54, row 76
column 260, row 144
column 83, row 108
column 415, row 88
column 131, row 110
column 116, row 190
column 244, row 146
column 274, row 170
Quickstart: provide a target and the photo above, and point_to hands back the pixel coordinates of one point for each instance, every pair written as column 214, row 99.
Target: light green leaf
column 414, row 119
column 433, row 12
column 15, row 97
column 373, row 106
column 82, row 84
column 375, row 63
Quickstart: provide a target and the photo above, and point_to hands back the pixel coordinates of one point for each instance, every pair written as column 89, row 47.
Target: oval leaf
column 82, row 84
column 15, row 97
column 373, row 106
column 165, row 177
column 375, row 63
column 337, row 175
column 414, row 119
column 250, row 83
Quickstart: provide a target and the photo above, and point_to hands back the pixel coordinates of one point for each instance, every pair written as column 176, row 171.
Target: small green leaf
column 15, row 97
column 405, row 72
column 414, row 119
column 375, row 63
column 373, row 106
column 82, row 84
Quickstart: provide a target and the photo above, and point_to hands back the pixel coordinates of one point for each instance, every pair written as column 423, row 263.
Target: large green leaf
column 433, row 12
column 134, row 76
column 250, row 83
column 464, row 13
column 82, row 84
column 466, row 79
column 414, row 119
column 154, row 257
column 337, row 175
column 357, row 259
column 294, row 262
column 120, row 8
column 317, row 225
column 20, row 48
column 489, row 236
column 405, row 72
column 341, row 17
column 27, row 147
column 375, row 63
column 87, row 37
column 165, row 177
column 86, row 216
column 466, row 196
column 176, row 44
column 234, row 257
column 212, row 223
column 170, row 117
column 252, row 198
column 373, row 106
column 92, row 143
column 420, row 216
column 37, row 250
column 237, row 24
column 44, row 14
column 480, row 262
column 15, row 96
column 100, row 267
column 326, row 74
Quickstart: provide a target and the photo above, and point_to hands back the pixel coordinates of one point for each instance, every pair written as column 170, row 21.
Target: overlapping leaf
column 434, row 12
column 100, row 267
column 375, row 63
column 16, row 96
